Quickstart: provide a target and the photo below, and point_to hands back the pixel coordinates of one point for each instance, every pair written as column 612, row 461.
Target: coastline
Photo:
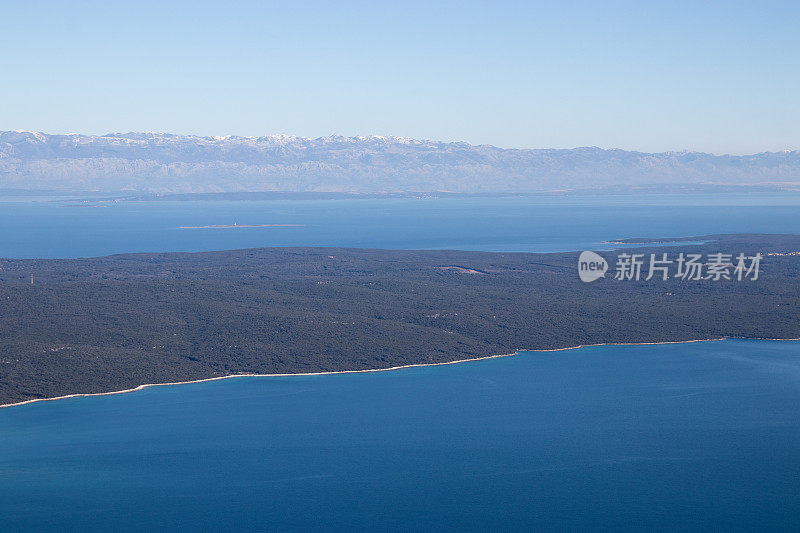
column 234, row 226
column 387, row 369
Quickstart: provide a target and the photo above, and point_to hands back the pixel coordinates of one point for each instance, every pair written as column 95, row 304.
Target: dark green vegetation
column 110, row 323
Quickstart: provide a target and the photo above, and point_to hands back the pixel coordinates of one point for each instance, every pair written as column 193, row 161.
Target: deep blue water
column 49, row 228
column 701, row 436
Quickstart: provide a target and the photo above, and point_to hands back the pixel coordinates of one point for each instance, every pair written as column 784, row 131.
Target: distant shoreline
column 226, row 226
column 368, row 370
column 87, row 198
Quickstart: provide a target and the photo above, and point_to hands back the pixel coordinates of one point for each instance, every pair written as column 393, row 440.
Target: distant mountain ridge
column 170, row 163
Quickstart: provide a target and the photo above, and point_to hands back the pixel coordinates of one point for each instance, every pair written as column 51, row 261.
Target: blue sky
column 721, row 77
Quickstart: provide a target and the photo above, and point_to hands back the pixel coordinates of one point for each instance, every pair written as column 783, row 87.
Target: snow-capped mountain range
column 168, row 163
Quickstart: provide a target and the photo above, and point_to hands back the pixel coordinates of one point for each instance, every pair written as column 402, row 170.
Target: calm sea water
column 56, row 228
column 701, row 436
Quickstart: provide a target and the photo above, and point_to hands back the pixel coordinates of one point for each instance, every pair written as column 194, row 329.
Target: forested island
column 111, row 323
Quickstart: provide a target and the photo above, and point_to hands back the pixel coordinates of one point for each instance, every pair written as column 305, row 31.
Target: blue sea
column 699, row 436
column 49, row 227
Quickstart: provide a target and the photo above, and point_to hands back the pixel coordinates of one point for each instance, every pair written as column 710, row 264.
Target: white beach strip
column 251, row 375
column 327, row 373
column 655, row 343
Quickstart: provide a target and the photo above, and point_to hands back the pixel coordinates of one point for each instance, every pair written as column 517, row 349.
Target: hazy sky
column 722, row 77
